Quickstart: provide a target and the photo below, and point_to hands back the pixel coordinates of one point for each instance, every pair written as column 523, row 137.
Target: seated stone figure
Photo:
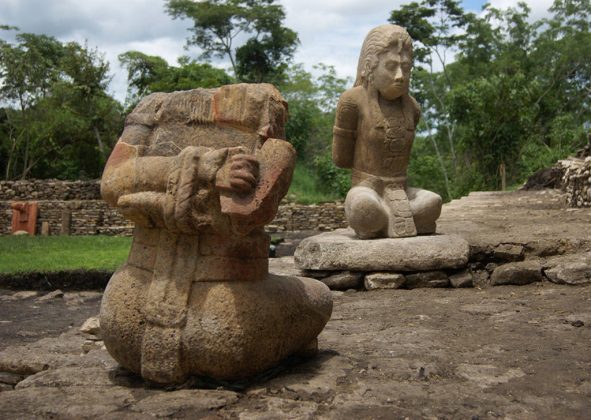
column 373, row 135
column 200, row 173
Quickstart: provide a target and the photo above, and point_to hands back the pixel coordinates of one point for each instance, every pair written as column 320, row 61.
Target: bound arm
column 345, row 131
column 159, row 191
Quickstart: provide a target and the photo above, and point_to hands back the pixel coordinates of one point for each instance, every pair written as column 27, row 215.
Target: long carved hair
column 376, row 42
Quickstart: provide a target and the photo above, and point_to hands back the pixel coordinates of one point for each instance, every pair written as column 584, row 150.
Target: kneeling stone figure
column 200, row 173
column 373, row 134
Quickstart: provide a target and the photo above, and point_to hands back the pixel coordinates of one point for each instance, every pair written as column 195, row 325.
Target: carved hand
column 244, row 173
column 240, row 174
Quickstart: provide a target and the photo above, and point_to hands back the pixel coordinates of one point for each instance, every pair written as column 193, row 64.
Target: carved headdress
column 377, row 40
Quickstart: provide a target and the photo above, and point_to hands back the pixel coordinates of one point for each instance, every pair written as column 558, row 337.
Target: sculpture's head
column 385, row 61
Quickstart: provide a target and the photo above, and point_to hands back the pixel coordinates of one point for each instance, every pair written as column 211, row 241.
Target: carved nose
column 398, row 76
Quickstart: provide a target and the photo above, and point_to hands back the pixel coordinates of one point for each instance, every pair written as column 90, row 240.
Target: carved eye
column 390, row 65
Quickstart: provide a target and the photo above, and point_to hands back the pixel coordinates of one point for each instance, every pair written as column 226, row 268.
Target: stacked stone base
column 342, row 261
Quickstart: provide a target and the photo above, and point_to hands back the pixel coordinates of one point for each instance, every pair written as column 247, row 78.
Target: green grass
column 57, row 253
column 305, row 189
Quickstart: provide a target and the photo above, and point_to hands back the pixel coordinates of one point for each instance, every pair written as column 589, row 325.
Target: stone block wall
column 576, row 181
column 87, row 217
column 91, row 216
column 297, row 217
column 49, row 189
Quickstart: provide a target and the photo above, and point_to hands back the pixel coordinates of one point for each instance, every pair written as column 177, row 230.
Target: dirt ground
column 518, row 352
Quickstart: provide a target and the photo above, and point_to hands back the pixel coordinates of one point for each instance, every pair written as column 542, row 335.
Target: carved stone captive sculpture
column 373, row 135
column 200, row 173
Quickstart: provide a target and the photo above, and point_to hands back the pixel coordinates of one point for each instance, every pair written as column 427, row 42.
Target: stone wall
column 87, row 217
column 576, row 181
column 50, row 189
column 91, row 216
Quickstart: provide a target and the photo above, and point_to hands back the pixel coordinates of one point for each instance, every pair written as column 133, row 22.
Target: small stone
column 508, row 252
column 343, row 280
column 462, row 279
column 429, row 279
column 384, row 280
column 20, row 233
column 490, row 267
column 91, row 326
column 518, row 273
column 51, row 295
column 25, row 294
column 570, row 269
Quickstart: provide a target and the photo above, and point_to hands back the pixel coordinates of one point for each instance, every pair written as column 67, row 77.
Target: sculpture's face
column 391, row 77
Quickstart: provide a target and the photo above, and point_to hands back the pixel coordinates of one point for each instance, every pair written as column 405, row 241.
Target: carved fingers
column 244, row 173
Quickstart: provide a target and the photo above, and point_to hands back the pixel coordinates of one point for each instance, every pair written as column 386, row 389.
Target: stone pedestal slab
column 342, row 250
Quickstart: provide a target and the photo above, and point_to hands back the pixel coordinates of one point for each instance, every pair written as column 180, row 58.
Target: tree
column 312, row 104
column 58, row 120
column 147, row 74
column 436, row 27
column 267, row 46
column 515, row 97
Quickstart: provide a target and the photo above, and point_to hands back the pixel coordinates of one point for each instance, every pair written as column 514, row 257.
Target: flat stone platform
column 342, row 250
column 539, row 221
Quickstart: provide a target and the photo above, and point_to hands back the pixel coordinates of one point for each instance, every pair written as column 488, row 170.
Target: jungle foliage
column 499, row 92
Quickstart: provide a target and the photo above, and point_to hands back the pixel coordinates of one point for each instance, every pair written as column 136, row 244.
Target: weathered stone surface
column 341, row 250
column 446, row 341
column 200, row 173
column 570, row 269
column 462, row 279
column 426, row 279
column 70, row 376
column 374, row 130
column 41, row 355
column 78, row 402
column 343, row 280
column 170, row 404
column 517, row 273
column 385, row 280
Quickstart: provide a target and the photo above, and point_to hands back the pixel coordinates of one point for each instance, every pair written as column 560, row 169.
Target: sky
column 330, row 31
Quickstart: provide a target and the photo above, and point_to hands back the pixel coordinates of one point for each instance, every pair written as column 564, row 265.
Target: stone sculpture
column 24, row 217
column 200, row 173
column 373, row 135
column 374, row 130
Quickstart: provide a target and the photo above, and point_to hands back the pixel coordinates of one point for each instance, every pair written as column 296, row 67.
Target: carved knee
column 426, row 208
column 365, row 212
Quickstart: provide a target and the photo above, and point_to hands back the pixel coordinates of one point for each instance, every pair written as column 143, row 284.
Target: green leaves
column 517, row 93
column 265, row 47
column 147, row 74
column 58, row 119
